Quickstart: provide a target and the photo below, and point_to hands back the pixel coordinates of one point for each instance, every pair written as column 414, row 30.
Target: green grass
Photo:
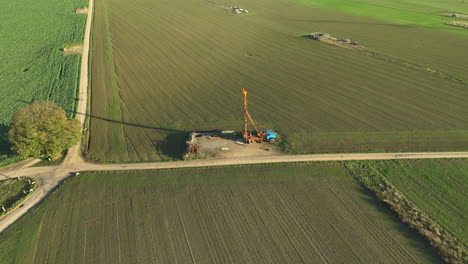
column 406, row 12
column 6, row 160
column 295, row 213
column 33, row 68
column 11, row 192
column 46, row 162
column 154, row 79
column 438, row 187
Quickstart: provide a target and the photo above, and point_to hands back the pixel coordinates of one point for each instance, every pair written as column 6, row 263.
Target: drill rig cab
column 258, row 135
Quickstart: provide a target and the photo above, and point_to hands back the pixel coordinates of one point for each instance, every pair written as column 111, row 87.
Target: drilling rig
column 257, row 135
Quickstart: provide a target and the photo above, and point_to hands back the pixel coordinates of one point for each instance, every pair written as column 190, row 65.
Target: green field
column 32, row 66
column 305, row 213
column 427, row 13
column 438, row 187
column 154, row 79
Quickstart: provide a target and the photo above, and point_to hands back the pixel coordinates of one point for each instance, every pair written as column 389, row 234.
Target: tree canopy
column 42, row 129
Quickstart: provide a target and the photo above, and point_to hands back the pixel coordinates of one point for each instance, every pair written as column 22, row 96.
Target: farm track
column 51, row 177
column 33, row 68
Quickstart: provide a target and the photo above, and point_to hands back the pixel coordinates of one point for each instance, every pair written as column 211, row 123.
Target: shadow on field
column 112, row 121
column 401, row 229
column 173, row 146
column 161, row 129
column 4, row 145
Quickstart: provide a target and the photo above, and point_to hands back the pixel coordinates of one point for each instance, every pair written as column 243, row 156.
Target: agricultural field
column 155, row 79
column 438, row 187
column 299, row 213
column 429, row 14
column 32, row 67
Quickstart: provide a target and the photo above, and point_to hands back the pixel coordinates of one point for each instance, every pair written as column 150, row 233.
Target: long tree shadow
column 172, row 147
column 161, row 129
column 4, row 144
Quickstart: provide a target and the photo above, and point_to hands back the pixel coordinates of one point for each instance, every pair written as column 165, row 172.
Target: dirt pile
column 331, row 40
column 72, row 49
column 81, row 11
column 458, row 24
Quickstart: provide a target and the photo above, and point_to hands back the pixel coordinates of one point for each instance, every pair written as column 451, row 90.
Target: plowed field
column 164, row 68
column 307, row 213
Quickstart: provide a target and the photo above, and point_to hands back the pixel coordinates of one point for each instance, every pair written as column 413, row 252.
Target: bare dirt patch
column 334, row 41
column 81, row 11
column 217, row 147
column 458, row 24
column 72, row 49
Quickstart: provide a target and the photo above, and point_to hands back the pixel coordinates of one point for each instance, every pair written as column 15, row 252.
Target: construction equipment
column 267, row 135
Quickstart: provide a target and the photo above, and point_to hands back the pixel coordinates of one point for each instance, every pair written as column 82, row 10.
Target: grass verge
column 13, row 192
column 7, row 160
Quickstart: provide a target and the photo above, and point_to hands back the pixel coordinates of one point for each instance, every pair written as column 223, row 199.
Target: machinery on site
column 257, row 135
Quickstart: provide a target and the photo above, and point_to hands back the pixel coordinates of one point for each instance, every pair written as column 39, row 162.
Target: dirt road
column 50, row 177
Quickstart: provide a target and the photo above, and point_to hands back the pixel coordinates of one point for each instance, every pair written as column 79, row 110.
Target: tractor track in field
column 50, row 177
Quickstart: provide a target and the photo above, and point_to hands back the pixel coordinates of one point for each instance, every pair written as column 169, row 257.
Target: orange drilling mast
column 267, row 135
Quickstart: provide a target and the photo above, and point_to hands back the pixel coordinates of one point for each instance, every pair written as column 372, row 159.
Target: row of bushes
column 448, row 246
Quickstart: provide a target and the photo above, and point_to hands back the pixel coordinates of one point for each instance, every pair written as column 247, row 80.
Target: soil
column 458, row 24
column 334, row 41
column 81, row 11
column 72, row 49
column 229, row 148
